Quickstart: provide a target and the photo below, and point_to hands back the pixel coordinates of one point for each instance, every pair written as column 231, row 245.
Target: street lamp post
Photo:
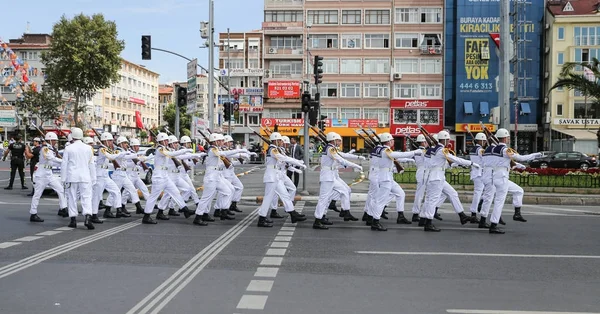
column 211, row 64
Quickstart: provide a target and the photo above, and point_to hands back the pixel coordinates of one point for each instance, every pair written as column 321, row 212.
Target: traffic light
column 312, row 116
column 306, row 102
column 227, row 111
column 317, row 70
column 322, row 123
column 181, row 97
column 146, row 47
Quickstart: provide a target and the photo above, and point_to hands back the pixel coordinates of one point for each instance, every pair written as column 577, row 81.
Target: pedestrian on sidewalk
column 17, row 162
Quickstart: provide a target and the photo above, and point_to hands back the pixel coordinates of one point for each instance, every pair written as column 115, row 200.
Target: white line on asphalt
column 271, row 261
column 27, row 239
column 64, row 229
column 276, row 252
column 4, row 245
column 284, row 239
column 260, row 285
column 48, row 254
column 280, row 244
column 412, row 227
column 558, row 209
column 511, row 312
column 478, row 254
column 158, row 298
column 285, row 233
column 288, row 228
column 266, row 272
column 48, row 233
column 252, row 302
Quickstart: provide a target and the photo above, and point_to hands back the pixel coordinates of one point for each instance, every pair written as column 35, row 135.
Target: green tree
column 44, row 104
column 185, row 120
column 572, row 76
column 84, row 57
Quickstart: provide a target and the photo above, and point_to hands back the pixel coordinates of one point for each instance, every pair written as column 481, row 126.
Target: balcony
column 276, row 76
column 276, row 28
column 431, row 49
column 284, row 53
column 284, row 4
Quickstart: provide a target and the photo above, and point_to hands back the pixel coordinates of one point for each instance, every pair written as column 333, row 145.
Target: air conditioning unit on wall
column 272, row 50
column 397, row 76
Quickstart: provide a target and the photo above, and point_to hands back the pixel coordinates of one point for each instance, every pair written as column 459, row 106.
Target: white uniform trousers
column 501, row 185
column 105, row 183
column 191, row 192
column 122, row 180
column 488, row 196
column 237, row 185
column 387, row 191
column 272, row 191
column 451, row 193
column 186, row 189
column 327, row 193
column 433, row 193
column 290, row 187
column 221, row 202
column 419, row 194
column 81, row 191
column 138, row 184
column 477, row 192
column 517, row 198
column 371, row 197
column 211, row 188
column 40, row 184
column 160, row 185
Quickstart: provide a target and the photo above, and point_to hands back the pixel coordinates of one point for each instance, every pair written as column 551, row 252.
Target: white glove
column 359, row 168
column 519, row 166
column 352, row 151
column 189, row 150
column 361, row 158
column 300, row 161
column 538, row 155
column 474, row 165
column 417, row 152
column 303, row 166
column 454, row 165
column 298, row 171
column 252, row 154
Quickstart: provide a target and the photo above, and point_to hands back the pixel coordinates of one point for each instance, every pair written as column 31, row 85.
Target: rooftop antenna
column 27, row 29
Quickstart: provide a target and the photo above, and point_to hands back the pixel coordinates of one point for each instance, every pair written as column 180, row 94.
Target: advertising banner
column 250, row 103
column 407, row 113
column 283, row 89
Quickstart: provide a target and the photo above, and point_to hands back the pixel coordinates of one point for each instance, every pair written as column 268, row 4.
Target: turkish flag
column 138, row 120
column 496, row 38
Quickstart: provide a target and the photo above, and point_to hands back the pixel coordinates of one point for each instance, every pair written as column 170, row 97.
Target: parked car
column 570, row 160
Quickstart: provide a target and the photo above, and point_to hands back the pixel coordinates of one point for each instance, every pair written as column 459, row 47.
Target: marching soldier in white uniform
column 284, row 167
column 134, row 170
column 78, row 174
column 43, row 177
column 420, row 176
column 161, row 182
column 476, row 156
column 438, row 159
column 229, row 174
column 274, row 184
column 371, row 201
column 330, row 182
column 500, row 161
column 121, row 177
column 104, row 182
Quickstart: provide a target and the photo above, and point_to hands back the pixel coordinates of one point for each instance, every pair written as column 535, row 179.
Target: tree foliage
column 185, row 120
column 44, row 105
column 84, row 56
column 572, row 77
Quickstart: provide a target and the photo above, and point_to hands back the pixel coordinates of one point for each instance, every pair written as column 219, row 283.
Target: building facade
column 572, row 35
column 165, row 97
column 200, row 114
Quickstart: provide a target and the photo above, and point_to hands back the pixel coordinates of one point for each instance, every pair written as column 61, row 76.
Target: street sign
column 191, row 86
column 8, row 117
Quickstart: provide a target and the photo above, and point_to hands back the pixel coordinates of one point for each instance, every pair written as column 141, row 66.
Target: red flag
column 138, row 120
column 496, row 38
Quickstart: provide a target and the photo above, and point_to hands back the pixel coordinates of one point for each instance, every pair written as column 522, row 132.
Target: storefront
column 406, row 115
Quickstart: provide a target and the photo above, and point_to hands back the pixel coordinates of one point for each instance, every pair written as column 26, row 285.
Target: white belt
column 46, row 166
column 213, row 168
column 500, row 168
column 328, row 168
column 103, row 167
column 121, row 169
column 163, row 168
column 175, row 171
column 385, row 169
column 437, row 168
column 272, row 167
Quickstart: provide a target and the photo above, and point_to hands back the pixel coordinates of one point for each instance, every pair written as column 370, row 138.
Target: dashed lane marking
column 4, row 245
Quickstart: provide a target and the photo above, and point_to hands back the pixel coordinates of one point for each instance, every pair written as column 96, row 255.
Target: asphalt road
column 549, row 264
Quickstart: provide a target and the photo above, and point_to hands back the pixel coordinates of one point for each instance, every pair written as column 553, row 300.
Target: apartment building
column 382, row 62
column 165, row 97
column 200, row 114
column 572, row 35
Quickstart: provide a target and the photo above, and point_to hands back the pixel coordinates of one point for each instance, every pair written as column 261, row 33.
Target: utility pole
column 176, row 86
column 211, row 64
column 305, row 115
column 229, row 80
column 504, row 79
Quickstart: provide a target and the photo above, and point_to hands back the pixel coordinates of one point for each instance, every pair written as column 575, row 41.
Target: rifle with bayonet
column 110, row 151
column 186, row 167
column 411, row 142
column 494, row 140
column 44, row 139
column 431, row 141
column 397, row 164
column 224, row 159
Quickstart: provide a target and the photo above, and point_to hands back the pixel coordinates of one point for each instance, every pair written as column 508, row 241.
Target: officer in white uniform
column 134, row 171
column 476, row 156
column 387, row 185
column 284, row 167
column 420, row 176
column 121, row 177
column 438, row 159
column 161, row 182
column 43, row 177
column 274, row 184
column 371, row 201
column 330, row 182
column 78, row 174
column 229, row 174
column 106, row 160
column 501, row 156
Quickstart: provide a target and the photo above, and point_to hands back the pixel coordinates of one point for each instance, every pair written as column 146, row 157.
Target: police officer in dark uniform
column 17, row 152
column 33, row 154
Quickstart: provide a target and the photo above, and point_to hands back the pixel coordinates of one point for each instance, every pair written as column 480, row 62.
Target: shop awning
column 578, row 134
column 468, row 107
column 484, row 108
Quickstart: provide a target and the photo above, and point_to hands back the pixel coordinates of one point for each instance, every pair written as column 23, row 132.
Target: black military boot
column 173, row 212
column 502, row 222
column 96, row 220
column 365, row 216
column 32, row 192
column 326, row 221
column 234, row 207
column 108, row 214
column 479, row 206
column 73, row 222
column 384, row 214
column 429, row 226
column 148, row 220
column 348, row 216
column 415, row 218
column 402, row 220
column 295, row 216
column 187, row 213
column 495, row 230
column 138, row 207
column 369, row 220
column 122, row 212
column 422, row 222
column 483, row 224
column 35, row 218
column 463, row 218
column 88, row 222
column 517, row 216
column 161, row 215
column 377, row 226
column 474, row 219
column 206, row 217
column 217, row 213
column 436, row 215
column 262, row 222
column 199, row 220
column 225, row 216
column 63, row 212
column 275, row 214
column 332, row 206
column 318, row 224
column 140, row 210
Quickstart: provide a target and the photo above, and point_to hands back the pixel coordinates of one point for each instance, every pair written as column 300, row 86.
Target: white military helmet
column 69, row 138
column 106, row 137
column 216, row 137
column 420, row 138
column 385, row 137
column 332, row 136
column 480, row 137
column 134, row 142
column 435, row 137
column 185, row 139
column 162, row 137
column 76, row 133
column 228, row 138
column 286, row 139
column 122, row 139
column 443, row 135
column 50, row 136
column 173, row 139
column 502, row 133
column 37, row 139
column 88, row 140
column 275, row 136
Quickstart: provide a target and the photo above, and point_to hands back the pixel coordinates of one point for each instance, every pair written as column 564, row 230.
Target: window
column 253, row 119
column 429, row 116
column 233, row 63
column 560, row 89
column 376, row 90
column 279, row 113
column 286, row 42
column 405, row 91
column 404, row 40
column 407, row 15
column 560, row 58
column 351, row 41
column 559, row 109
column 561, row 33
column 586, row 111
column 406, row 65
column 351, row 66
column 381, row 114
column 377, row 16
column 323, row 41
column 283, row 16
column 327, row 90
column 431, row 91
column 587, row 36
column 406, row 116
column 377, row 41
column 253, row 64
column 351, row 16
column 377, row 66
column 331, row 66
column 431, row 15
column 285, row 67
column 350, row 113
column 431, row 66
column 322, row 17
column 350, row 90
column 236, row 81
column 331, row 113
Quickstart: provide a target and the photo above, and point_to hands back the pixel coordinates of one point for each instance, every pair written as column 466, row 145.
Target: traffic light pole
column 211, row 64
column 177, row 112
column 229, row 81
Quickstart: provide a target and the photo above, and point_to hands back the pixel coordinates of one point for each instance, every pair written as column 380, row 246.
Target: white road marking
column 478, row 254
column 280, row 244
column 28, row 239
column 64, row 229
column 557, row 209
column 285, row 233
column 252, row 302
column 276, row 252
column 266, row 272
column 284, row 239
column 288, row 228
column 260, row 285
column 49, row 233
column 511, row 312
column 271, row 261
column 289, row 224
column 4, row 245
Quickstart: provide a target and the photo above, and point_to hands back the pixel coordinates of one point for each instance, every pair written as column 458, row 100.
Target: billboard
column 407, row 114
column 283, row 89
column 472, row 60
